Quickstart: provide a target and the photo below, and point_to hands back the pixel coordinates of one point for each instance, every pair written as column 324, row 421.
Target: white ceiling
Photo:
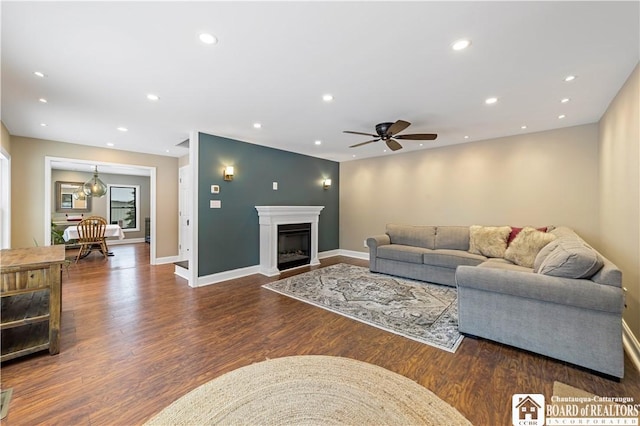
column 382, row 61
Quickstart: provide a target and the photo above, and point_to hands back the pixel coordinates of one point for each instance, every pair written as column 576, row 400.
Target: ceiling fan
column 388, row 132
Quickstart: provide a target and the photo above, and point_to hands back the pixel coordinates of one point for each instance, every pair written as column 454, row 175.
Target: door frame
column 47, row 196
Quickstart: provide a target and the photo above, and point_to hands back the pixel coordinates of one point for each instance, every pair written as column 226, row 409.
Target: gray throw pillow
column 571, row 258
column 543, row 253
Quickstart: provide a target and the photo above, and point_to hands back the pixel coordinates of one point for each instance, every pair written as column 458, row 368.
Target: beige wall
column 619, row 188
column 27, row 188
column 534, row 179
column 5, row 139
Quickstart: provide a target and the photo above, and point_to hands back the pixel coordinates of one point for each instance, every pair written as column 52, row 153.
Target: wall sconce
column 227, row 173
column 326, row 184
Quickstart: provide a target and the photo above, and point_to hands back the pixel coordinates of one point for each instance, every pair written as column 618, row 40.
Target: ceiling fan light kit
column 388, row 132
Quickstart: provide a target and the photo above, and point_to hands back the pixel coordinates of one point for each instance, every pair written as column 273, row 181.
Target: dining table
column 113, row 230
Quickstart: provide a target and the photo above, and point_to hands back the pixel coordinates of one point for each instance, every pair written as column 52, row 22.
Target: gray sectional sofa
column 557, row 296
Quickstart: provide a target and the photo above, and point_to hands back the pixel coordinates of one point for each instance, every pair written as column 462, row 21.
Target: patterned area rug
column 427, row 313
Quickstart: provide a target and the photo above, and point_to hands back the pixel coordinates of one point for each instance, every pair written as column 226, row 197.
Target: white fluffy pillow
column 490, row 241
column 525, row 246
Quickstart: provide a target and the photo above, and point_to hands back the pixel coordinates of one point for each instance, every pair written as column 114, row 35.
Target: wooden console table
column 30, row 293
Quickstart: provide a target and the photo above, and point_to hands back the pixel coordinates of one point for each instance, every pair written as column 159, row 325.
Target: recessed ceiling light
column 570, row 78
column 523, row 127
column 43, row 100
column 166, row 150
column 153, row 97
column 490, row 101
column 461, row 44
column 38, row 74
column 207, row 38
column 354, row 156
column 43, row 124
column 257, row 125
column 565, row 100
column 318, row 142
column 327, row 98
column 466, row 137
column 561, row 116
column 384, row 150
column 110, row 144
column 123, row 129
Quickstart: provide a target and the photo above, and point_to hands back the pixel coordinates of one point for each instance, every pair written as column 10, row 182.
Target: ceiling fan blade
column 397, row 127
column 360, row 133
column 419, row 136
column 393, row 144
column 364, row 143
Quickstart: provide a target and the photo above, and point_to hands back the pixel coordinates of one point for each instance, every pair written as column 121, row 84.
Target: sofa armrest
column 373, row 243
column 579, row 293
column 378, row 240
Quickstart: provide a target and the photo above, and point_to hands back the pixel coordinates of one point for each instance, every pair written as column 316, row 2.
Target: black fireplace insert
column 294, row 245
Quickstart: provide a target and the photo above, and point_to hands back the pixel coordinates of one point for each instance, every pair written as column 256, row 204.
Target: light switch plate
column 215, row 204
column 275, row 186
column 215, row 189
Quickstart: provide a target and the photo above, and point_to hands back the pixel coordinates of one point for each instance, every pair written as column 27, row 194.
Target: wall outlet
column 275, row 186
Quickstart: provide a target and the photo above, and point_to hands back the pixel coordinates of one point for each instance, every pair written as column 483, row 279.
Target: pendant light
column 79, row 194
column 94, row 187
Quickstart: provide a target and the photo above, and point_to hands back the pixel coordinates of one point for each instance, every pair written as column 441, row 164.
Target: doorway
column 68, row 163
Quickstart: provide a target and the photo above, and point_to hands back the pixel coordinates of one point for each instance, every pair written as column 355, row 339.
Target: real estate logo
column 527, row 409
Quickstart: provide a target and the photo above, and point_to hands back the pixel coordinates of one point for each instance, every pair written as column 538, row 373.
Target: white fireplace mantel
column 269, row 218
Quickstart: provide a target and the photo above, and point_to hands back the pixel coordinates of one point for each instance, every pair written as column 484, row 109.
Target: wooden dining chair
column 91, row 234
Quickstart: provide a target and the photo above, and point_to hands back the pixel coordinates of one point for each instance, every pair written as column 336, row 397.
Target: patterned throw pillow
column 525, row 246
column 489, row 241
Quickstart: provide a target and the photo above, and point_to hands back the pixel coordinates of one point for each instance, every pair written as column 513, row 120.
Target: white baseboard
column 330, row 253
column 631, row 345
column 227, row 275
column 168, row 259
column 125, row 241
column 181, row 272
column 355, row 254
column 250, row 270
column 347, row 253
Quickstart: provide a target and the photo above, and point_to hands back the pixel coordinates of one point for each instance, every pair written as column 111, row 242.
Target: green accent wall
column 229, row 237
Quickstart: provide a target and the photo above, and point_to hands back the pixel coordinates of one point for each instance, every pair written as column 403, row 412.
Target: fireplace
column 294, row 245
column 271, row 218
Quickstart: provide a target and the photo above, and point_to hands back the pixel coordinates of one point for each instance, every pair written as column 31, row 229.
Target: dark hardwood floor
column 135, row 337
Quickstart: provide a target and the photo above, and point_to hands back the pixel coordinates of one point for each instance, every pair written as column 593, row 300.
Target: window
column 124, row 206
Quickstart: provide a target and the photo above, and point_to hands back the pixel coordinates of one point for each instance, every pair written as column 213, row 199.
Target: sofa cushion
column 526, row 245
column 490, row 241
column 571, row 258
column 452, row 237
column 505, row 265
column 402, row 253
column 452, row 258
column 409, row 235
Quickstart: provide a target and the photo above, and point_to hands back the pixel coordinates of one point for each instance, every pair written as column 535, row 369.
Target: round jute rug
column 310, row 389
